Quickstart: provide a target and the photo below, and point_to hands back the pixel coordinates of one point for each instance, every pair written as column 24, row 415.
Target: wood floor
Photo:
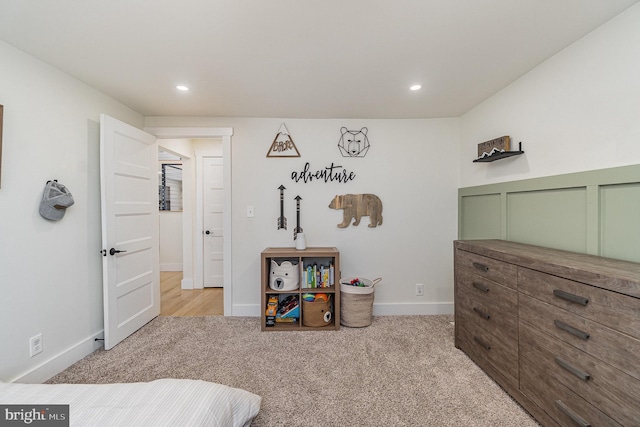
column 175, row 301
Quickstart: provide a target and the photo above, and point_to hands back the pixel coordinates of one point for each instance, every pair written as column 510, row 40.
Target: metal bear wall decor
column 353, row 143
column 355, row 206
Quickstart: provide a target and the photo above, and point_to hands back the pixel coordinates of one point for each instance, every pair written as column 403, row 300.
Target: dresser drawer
column 617, row 311
column 562, row 404
column 489, row 268
column 606, row 388
column 615, row 348
column 488, row 292
column 503, row 357
column 495, row 311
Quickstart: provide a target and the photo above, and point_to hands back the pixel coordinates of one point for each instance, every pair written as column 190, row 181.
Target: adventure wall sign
column 328, row 174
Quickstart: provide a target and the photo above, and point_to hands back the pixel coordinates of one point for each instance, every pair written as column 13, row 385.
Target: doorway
column 193, row 231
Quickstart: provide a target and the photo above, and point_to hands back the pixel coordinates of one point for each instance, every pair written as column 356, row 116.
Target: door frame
column 223, row 134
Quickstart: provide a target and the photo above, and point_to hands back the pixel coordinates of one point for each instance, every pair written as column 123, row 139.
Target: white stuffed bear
column 285, row 276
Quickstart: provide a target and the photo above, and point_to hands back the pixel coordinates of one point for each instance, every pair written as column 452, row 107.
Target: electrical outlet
column 35, row 345
column 419, row 289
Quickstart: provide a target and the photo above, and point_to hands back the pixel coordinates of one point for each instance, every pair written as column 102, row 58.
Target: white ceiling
column 300, row 58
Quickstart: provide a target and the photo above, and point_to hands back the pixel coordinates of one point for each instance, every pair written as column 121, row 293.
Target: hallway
column 175, row 301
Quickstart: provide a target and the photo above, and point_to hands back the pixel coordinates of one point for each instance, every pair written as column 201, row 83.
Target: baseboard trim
column 61, row 361
column 390, row 309
column 171, row 266
column 411, row 309
column 245, row 310
column 186, row 284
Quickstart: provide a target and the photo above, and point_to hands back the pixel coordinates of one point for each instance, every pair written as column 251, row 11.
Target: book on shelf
column 317, row 276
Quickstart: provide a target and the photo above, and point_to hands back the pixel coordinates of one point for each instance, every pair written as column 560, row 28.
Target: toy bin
column 316, row 313
column 356, row 302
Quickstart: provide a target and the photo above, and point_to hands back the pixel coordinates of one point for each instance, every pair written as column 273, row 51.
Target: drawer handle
column 482, row 313
column 573, row 331
column 482, row 342
column 480, row 286
column 481, row 266
column 574, row 417
column 570, row 297
column 575, row 371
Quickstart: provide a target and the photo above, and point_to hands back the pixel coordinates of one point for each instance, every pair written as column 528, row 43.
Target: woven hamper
column 356, row 303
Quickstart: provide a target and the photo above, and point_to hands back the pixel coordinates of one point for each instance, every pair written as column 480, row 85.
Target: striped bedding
column 164, row 402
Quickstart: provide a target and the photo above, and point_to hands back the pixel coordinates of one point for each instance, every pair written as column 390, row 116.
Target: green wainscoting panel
column 620, row 221
column 595, row 212
column 552, row 218
column 484, row 220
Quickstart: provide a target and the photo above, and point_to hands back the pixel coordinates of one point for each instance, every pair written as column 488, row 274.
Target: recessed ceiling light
column 182, row 87
column 415, row 87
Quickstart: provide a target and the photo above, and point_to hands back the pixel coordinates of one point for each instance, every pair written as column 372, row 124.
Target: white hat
column 55, row 201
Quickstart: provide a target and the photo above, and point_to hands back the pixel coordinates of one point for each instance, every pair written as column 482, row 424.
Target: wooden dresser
column 559, row 331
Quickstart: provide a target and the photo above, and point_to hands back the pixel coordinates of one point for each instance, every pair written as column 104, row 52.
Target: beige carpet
column 400, row 371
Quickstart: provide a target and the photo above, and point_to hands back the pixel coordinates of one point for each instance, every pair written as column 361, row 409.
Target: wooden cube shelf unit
column 304, row 258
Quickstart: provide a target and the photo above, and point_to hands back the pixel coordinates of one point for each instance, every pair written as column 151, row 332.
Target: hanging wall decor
column 282, row 221
column 56, row 198
column 298, row 229
column 355, row 206
column 353, row 143
column 283, row 145
column 328, row 174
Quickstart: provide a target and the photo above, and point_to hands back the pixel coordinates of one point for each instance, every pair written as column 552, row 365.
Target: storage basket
column 316, row 313
column 356, row 302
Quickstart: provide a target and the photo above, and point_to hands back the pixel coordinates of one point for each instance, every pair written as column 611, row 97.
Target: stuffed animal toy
column 284, row 276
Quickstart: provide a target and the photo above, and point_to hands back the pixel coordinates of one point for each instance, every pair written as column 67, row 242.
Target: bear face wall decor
column 353, row 143
column 355, row 206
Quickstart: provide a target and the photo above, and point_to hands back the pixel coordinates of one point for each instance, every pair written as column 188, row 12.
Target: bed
column 163, row 402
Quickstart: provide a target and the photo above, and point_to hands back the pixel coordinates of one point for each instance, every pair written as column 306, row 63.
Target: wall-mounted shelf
column 500, row 155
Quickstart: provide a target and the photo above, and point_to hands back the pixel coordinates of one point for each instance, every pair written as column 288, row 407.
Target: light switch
column 250, row 213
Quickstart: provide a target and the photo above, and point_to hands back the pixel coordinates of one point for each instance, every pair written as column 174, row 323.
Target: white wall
column 412, row 166
column 578, row 111
column 50, row 272
column 170, row 241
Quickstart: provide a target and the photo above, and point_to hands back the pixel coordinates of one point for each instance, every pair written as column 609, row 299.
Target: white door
column 212, row 218
column 129, row 187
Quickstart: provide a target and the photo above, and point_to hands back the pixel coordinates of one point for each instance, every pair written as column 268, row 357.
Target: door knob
column 207, row 232
column 114, row 251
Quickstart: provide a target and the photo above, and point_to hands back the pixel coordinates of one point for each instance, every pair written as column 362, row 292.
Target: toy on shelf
column 315, row 297
column 288, row 309
column 272, row 310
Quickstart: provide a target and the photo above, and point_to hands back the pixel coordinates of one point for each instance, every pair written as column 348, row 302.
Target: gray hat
column 55, row 201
